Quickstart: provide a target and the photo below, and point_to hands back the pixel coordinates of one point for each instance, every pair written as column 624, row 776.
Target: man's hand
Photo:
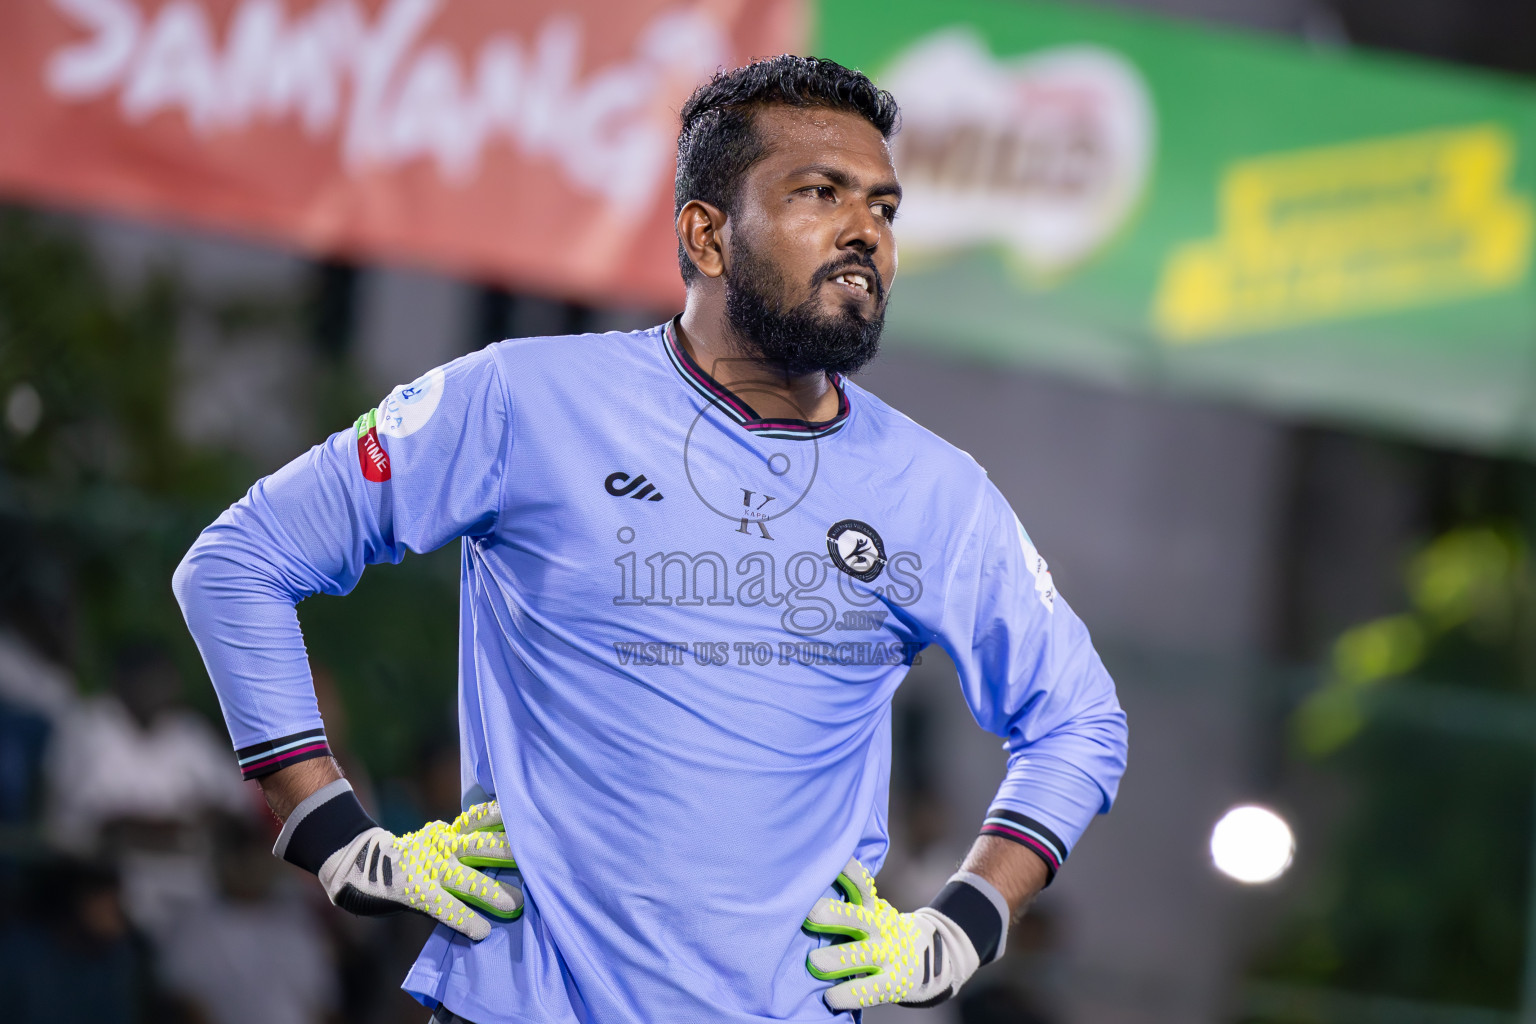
column 917, row 959
column 370, row 871
column 431, row 871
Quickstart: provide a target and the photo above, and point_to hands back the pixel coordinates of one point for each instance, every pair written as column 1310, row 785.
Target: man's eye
column 887, row 211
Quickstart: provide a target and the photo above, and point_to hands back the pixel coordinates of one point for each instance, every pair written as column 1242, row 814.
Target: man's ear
column 699, row 227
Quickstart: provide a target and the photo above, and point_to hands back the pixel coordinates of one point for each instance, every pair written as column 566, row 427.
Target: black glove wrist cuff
column 979, row 909
column 328, row 819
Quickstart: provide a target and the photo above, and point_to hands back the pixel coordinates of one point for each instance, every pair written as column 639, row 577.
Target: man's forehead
column 816, row 134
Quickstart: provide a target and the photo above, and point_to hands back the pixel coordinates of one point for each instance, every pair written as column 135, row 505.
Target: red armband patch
column 371, row 455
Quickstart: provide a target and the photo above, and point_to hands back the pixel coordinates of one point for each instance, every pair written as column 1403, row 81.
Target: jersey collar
column 732, row 405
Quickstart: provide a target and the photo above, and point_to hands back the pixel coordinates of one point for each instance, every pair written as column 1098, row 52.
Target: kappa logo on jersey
column 408, row 408
column 754, row 510
column 371, row 455
column 856, row 549
column 616, row 486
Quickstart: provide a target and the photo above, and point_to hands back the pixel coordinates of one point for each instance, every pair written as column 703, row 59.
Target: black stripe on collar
column 726, row 401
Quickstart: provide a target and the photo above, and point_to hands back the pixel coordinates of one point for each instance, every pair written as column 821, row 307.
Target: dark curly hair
column 718, row 144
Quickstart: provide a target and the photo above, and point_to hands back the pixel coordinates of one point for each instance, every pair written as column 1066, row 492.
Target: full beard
column 802, row 339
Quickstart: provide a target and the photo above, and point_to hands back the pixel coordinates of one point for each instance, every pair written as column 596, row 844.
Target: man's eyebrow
column 841, row 179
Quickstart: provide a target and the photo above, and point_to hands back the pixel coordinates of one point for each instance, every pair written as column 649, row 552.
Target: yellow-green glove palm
column 432, row 871
column 916, row 959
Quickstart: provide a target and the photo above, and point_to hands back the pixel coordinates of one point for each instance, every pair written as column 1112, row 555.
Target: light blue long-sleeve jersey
column 679, row 687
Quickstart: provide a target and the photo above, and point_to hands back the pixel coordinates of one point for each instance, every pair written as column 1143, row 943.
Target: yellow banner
column 1339, row 231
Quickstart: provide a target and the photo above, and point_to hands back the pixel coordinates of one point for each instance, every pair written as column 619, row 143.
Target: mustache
column 838, row 266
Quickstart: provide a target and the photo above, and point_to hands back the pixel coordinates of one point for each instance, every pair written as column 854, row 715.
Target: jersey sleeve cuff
column 262, row 759
column 1029, row 833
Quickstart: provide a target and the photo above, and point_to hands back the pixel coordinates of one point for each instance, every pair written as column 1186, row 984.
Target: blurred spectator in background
column 370, row 954
column 70, row 954
column 131, row 775
column 254, row 954
column 34, row 695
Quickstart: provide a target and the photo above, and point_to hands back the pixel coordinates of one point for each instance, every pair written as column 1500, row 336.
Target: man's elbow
column 1096, row 742
column 1109, row 735
column 209, row 563
column 186, row 580
column 1108, row 738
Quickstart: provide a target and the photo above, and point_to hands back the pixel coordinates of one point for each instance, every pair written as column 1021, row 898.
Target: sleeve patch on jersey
column 1045, row 587
column 371, row 455
column 408, row 408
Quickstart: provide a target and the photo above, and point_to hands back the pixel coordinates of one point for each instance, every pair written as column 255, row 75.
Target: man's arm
column 291, row 786
column 1015, row 872
column 1029, row 675
column 920, row 959
column 422, row 469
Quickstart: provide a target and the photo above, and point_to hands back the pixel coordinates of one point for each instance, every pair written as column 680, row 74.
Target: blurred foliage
column 101, row 494
column 391, row 645
column 1423, row 893
column 98, row 495
column 1470, row 600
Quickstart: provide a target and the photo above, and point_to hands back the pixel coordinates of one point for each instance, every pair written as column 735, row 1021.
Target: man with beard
column 697, row 562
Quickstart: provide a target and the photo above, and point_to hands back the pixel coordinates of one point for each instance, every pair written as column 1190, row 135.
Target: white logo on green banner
column 1044, row 154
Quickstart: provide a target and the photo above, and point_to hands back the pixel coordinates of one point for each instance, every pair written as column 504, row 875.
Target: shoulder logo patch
column 408, row 408
column 856, row 549
column 1045, row 587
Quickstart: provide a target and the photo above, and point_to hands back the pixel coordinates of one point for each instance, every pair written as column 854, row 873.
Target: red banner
column 526, row 142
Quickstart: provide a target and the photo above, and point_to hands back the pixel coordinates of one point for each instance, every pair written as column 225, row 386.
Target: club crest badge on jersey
column 1045, row 587
column 408, row 408
column 856, row 549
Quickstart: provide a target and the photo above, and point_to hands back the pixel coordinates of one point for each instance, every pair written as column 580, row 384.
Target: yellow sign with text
column 1340, row 231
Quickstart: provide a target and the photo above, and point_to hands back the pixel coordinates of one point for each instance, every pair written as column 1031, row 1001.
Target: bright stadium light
column 1252, row 844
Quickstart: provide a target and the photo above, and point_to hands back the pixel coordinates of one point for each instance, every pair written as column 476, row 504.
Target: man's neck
column 714, row 345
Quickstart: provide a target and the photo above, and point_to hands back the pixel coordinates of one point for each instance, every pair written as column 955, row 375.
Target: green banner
column 1341, row 235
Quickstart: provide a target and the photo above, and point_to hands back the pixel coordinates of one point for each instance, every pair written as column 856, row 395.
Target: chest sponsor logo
column 856, row 549
column 621, row 485
column 408, row 408
column 371, row 455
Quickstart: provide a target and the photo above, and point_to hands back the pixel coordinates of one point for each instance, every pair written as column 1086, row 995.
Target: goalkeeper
column 691, row 582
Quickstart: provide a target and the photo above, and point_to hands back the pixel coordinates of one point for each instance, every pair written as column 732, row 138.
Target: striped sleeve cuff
column 1028, row 832
column 260, row 759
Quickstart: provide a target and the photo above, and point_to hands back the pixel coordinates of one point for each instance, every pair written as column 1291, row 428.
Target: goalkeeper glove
column 918, row 959
column 371, row 872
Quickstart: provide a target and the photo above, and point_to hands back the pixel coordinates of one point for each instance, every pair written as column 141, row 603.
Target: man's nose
column 862, row 230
